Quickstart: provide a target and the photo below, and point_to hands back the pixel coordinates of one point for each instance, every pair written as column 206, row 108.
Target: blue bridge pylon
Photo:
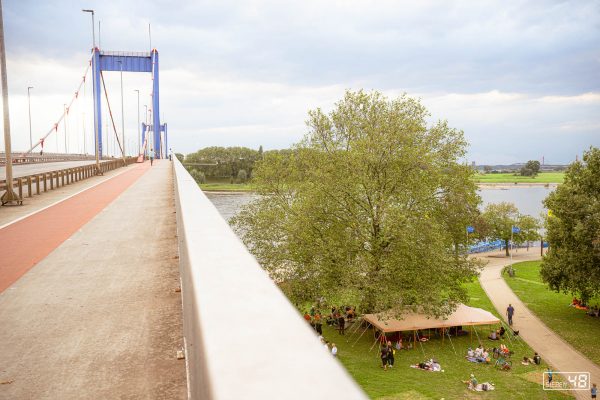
column 129, row 62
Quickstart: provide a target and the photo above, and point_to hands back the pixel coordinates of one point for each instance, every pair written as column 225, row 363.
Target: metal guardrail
column 243, row 339
column 43, row 181
column 125, row 53
column 34, row 158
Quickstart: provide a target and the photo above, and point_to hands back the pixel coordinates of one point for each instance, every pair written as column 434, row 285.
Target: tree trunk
column 506, row 248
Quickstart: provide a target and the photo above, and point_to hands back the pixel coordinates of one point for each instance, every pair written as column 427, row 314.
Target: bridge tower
column 129, row 62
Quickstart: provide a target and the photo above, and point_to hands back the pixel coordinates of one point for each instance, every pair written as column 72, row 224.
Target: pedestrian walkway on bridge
column 99, row 314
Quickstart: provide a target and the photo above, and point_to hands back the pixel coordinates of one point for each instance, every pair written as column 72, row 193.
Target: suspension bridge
column 119, row 279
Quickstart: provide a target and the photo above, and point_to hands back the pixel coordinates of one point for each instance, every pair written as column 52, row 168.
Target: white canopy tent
column 462, row 316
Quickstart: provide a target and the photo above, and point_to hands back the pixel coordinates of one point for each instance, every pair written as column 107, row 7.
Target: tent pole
column 366, row 328
column 442, row 336
column 377, row 339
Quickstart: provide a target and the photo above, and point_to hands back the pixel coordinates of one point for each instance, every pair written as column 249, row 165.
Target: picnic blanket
column 480, row 387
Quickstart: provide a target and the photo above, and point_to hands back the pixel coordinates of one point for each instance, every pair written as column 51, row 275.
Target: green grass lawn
column 573, row 325
column 226, row 187
column 403, row 382
column 544, row 177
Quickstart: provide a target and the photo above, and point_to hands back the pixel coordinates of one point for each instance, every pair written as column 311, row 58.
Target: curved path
column 553, row 349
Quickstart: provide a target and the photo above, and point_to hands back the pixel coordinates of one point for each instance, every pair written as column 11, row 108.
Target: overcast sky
column 520, row 78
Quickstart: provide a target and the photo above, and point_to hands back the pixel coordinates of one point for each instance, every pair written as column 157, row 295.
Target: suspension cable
column 62, row 117
column 111, row 118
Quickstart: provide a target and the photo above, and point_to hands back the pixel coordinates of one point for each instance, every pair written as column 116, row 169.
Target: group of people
column 337, row 318
column 340, row 316
column 330, row 347
column 387, row 352
column 497, row 334
column 594, row 312
column 479, row 355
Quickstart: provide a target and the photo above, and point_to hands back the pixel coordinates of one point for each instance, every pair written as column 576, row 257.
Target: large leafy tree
column 369, row 209
column 498, row 220
column 532, row 168
column 573, row 260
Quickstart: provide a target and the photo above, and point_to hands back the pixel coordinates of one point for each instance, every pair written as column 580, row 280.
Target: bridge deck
column 20, row 170
column 99, row 317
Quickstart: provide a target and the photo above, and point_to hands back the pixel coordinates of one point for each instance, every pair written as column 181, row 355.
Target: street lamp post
column 122, row 109
column 93, row 28
column 29, row 105
column 9, row 196
column 96, row 123
column 138, row 119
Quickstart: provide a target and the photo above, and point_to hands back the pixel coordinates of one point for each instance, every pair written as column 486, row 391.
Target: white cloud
column 518, row 77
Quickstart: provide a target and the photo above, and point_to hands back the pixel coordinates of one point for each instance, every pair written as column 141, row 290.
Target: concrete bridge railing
column 243, row 338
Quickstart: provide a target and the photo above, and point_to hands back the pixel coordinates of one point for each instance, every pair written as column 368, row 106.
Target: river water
column 527, row 199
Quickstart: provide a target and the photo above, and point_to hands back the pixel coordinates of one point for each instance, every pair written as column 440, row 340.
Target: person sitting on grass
column 501, row 331
column 470, row 353
column 537, row 359
column 471, row 382
column 399, row 343
column 525, row 361
column 429, row 365
column 479, row 351
column 493, row 336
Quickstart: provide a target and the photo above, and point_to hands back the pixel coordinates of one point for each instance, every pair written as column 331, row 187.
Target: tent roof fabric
column 463, row 316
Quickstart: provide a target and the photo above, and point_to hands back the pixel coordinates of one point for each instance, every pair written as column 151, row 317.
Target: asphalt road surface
column 30, row 169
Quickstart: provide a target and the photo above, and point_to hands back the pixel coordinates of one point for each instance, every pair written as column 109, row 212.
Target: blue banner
column 515, row 229
column 470, row 229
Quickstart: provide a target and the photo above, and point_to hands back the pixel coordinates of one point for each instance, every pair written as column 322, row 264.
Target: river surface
column 527, row 199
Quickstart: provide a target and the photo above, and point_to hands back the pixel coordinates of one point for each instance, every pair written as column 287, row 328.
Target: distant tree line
column 224, row 164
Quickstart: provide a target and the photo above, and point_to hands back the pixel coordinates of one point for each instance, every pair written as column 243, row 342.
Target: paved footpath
column 99, row 316
column 553, row 349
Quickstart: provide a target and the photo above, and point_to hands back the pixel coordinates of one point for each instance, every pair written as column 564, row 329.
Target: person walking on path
column 594, row 391
column 510, row 311
column 151, row 155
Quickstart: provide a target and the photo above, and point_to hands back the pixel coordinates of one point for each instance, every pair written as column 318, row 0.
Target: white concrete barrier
column 244, row 340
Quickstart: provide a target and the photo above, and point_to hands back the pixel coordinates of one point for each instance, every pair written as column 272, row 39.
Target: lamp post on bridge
column 93, row 28
column 29, row 106
column 96, row 129
column 122, row 110
column 138, row 121
column 9, row 196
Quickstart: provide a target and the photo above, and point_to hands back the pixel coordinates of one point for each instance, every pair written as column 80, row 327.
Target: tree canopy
column 369, row 209
column 498, row 220
column 572, row 263
column 223, row 162
column 532, row 168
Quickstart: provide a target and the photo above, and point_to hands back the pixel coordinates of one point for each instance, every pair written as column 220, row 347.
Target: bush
column 242, row 176
column 198, row 176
